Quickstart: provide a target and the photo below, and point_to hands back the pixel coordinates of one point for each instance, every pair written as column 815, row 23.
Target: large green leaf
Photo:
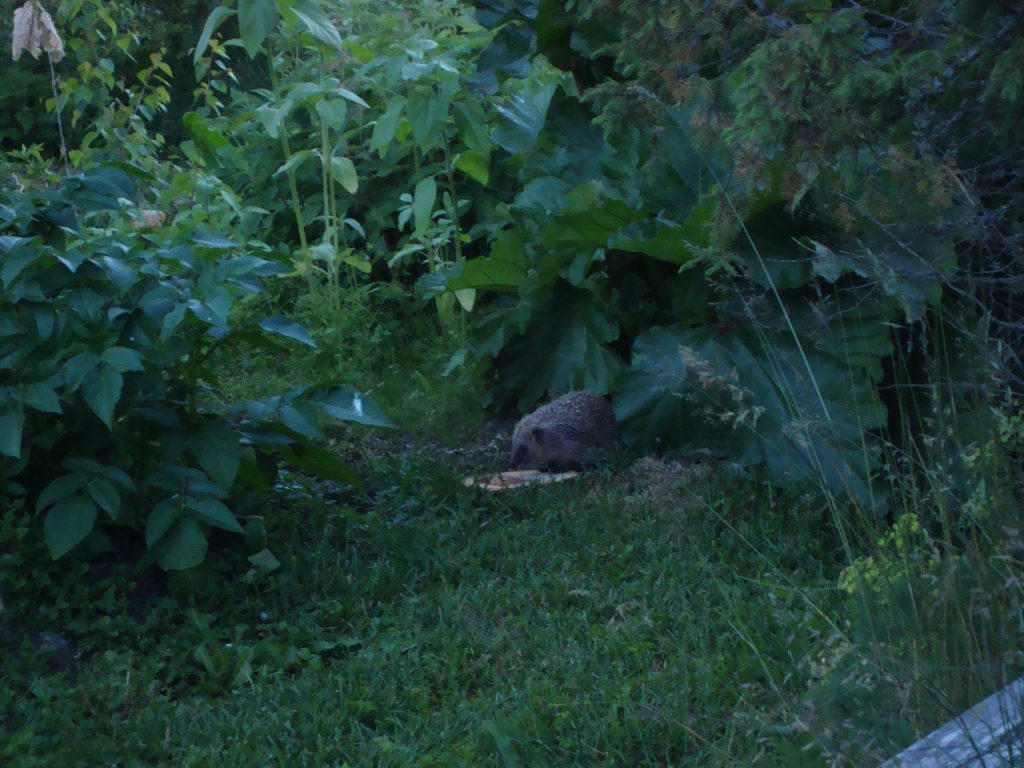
column 68, row 523
column 564, row 349
column 60, row 489
column 504, row 270
column 316, row 22
column 256, row 20
column 215, row 513
column 88, row 466
column 753, row 398
column 667, row 241
column 99, row 189
column 161, row 518
column 215, row 446
column 300, row 417
column 12, row 424
column 207, row 136
column 122, row 359
column 343, row 171
column 427, row 112
column 769, row 249
column 580, row 218
column 16, row 260
column 105, row 495
column 915, row 284
column 42, row 398
column 214, row 20
column 348, row 404
column 183, row 547
column 471, row 123
column 423, row 204
column 294, row 162
column 522, row 116
column 102, row 390
column 475, row 165
column 288, row 328
column 386, row 126
column 486, row 274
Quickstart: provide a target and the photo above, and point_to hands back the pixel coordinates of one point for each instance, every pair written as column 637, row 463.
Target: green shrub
column 108, row 406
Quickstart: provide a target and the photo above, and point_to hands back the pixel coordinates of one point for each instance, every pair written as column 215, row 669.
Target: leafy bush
column 365, row 150
column 664, row 242
column 108, row 411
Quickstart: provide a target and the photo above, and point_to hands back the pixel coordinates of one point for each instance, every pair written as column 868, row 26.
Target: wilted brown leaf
column 34, row 32
column 149, row 219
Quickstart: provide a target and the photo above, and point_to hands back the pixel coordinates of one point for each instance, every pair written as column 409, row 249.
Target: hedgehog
column 568, row 433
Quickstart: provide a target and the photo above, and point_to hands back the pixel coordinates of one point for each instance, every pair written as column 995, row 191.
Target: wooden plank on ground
column 988, row 735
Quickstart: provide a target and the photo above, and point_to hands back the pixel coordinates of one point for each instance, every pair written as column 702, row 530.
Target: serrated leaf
column 183, row 547
column 102, row 391
column 213, row 512
column 675, row 244
column 282, row 326
column 802, row 423
column 344, row 172
column 215, row 446
column 566, row 348
column 914, row 283
column 490, row 274
column 68, row 523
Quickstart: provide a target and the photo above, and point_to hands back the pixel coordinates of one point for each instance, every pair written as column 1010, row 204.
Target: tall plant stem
column 286, row 149
column 60, row 121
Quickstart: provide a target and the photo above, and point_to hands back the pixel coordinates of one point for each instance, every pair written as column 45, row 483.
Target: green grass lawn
column 648, row 615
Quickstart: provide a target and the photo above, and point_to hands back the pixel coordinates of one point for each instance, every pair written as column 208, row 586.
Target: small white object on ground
column 505, row 481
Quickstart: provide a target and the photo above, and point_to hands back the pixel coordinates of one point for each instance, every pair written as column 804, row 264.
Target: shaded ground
column 648, row 617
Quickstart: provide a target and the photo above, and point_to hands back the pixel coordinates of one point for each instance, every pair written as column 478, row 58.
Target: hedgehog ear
column 538, row 434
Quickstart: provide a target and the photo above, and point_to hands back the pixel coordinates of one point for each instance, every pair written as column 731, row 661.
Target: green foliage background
column 781, row 235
